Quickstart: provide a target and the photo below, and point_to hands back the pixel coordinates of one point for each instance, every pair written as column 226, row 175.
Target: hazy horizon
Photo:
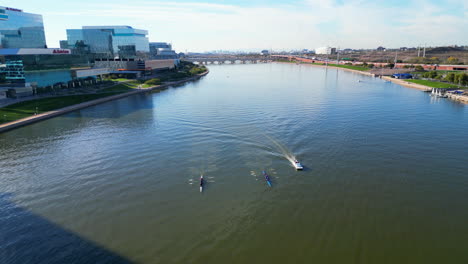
column 200, row 26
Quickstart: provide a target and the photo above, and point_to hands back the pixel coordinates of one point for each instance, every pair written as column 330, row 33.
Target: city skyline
column 254, row 25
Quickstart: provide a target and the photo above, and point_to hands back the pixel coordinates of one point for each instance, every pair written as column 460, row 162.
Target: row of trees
column 434, row 60
column 452, row 77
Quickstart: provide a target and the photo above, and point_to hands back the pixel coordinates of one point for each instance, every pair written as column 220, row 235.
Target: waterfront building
column 19, row 29
column 110, row 41
column 19, row 73
column 162, row 51
column 15, row 82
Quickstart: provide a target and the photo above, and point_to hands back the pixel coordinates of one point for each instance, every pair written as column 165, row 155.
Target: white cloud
column 205, row 26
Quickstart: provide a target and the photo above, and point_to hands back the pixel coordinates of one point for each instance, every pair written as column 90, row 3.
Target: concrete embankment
column 402, row 82
column 36, row 118
column 460, row 98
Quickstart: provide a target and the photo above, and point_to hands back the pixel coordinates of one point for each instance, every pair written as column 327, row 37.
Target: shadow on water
column 29, row 238
column 117, row 108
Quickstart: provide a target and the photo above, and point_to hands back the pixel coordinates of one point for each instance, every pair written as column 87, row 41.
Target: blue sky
column 203, row 25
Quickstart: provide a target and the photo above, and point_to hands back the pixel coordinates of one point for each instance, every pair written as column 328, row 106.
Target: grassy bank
column 37, row 106
column 435, row 84
column 351, row 67
column 26, row 109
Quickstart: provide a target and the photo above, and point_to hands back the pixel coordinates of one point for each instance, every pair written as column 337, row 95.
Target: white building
column 325, row 50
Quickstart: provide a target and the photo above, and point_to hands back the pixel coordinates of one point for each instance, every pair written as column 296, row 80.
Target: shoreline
column 402, row 82
column 331, row 67
column 54, row 113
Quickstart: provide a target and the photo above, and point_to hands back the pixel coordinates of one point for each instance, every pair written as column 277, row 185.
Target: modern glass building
column 21, row 30
column 162, row 50
column 110, row 41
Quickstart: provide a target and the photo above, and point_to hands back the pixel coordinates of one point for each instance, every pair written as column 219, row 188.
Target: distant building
column 19, row 29
column 381, row 48
column 162, row 51
column 109, row 41
column 403, row 49
column 265, row 52
column 325, row 50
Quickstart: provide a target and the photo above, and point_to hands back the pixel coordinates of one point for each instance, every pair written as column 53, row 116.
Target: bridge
column 228, row 59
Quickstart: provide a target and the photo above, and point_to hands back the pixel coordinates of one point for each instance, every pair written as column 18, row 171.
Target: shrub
column 461, row 78
column 431, row 74
column 419, row 68
column 450, row 77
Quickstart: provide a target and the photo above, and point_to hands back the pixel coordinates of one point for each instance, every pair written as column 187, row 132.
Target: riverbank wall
column 402, row 82
column 50, row 114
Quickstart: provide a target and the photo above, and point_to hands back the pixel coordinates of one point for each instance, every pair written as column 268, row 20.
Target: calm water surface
column 386, row 178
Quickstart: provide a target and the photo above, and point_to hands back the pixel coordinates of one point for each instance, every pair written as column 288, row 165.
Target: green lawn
column 435, row 84
column 121, row 87
column 352, row 67
column 28, row 108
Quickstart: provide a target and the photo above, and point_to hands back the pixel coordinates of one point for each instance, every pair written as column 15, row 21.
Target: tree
column 432, row 74
column 435, row 60
column 463, row 79
column 452, row 60
column 419, row 68
column 450, row 77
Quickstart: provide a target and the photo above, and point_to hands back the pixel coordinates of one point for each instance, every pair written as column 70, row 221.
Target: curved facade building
column 21, row 30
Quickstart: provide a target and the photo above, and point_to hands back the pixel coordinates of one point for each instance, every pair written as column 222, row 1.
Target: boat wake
column 284, row 151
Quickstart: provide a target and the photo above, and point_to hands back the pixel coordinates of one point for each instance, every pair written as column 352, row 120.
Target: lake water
column 385, row 179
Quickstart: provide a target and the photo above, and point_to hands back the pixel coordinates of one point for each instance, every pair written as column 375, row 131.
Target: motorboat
column 297, row 165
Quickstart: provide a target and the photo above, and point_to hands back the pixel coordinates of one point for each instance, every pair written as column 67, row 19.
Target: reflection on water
column 120, row 180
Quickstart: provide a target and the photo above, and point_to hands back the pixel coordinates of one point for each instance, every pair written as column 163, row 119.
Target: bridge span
column 229, row 59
